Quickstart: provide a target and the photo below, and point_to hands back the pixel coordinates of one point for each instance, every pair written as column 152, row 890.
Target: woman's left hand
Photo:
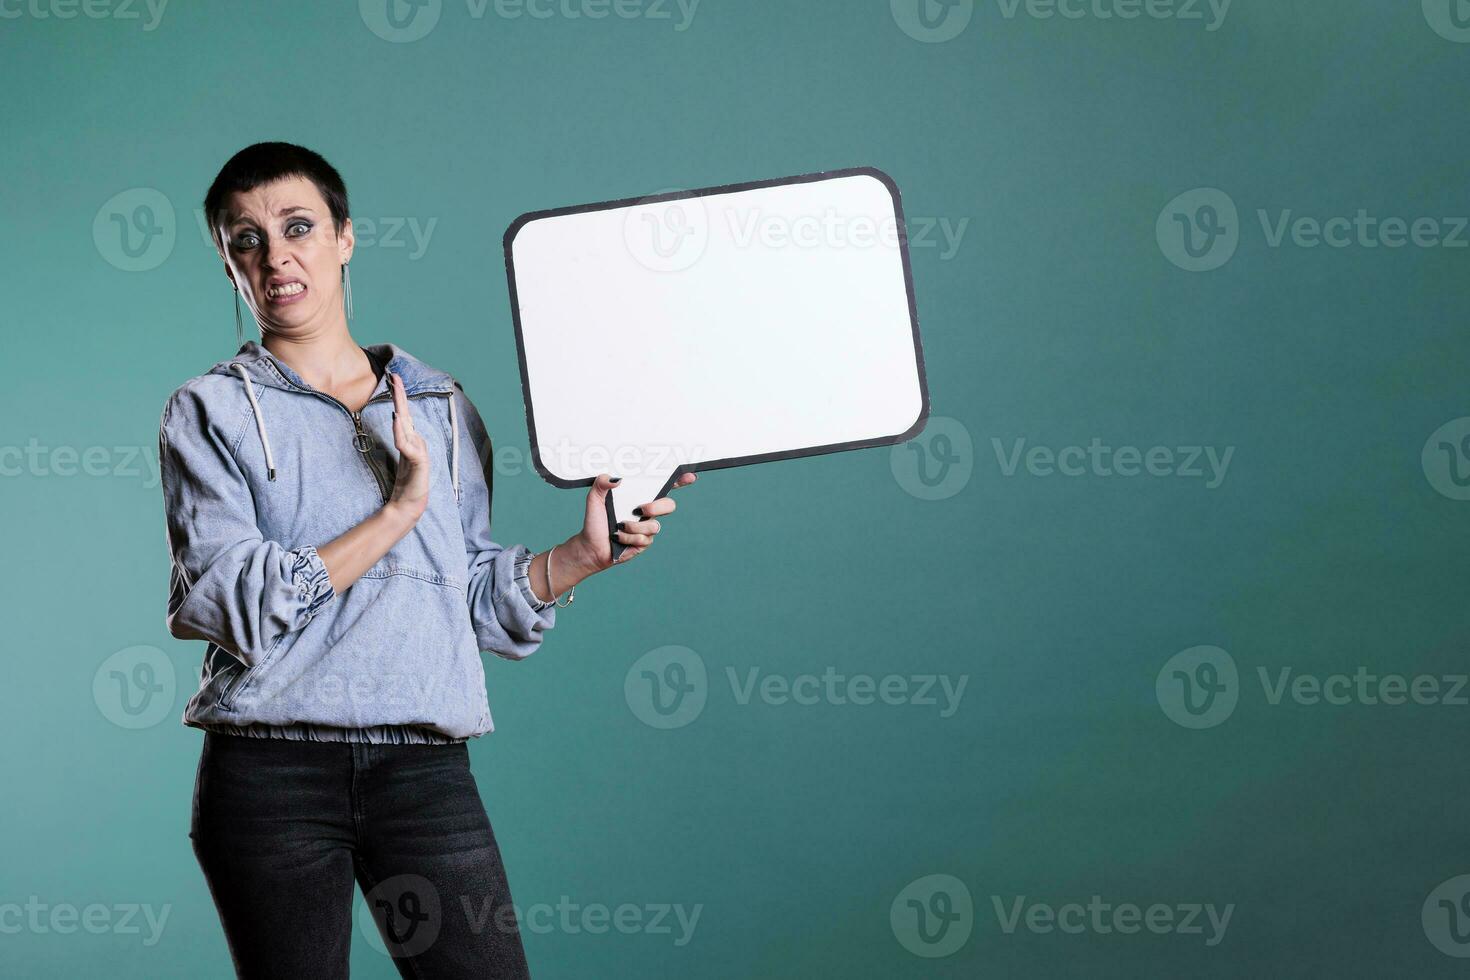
column 635, row 535
column 589, row 551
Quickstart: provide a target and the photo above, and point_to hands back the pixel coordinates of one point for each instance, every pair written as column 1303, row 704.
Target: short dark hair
column 262, row 163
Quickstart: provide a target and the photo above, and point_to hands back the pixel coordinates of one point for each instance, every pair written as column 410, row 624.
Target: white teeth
column 289, row 289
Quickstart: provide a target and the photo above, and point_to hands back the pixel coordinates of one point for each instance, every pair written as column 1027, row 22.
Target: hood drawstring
column 270, row 463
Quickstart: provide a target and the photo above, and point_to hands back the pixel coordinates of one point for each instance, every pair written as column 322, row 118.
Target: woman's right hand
column 411, row 486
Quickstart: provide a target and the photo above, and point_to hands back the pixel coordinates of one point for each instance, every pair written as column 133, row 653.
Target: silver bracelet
column 572, row 595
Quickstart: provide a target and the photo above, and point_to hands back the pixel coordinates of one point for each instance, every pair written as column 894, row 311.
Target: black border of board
column 715, row 464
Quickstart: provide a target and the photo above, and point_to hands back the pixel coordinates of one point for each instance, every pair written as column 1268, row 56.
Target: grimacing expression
column 284, row 254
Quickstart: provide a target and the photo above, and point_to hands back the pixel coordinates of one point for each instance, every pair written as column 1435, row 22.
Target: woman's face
column 285, row 256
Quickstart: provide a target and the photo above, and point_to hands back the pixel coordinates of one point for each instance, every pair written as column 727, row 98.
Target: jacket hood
column 264, row 368
column 254, row 365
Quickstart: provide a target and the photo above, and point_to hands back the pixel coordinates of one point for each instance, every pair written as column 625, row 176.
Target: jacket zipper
column 364, row 445
column 362, row 440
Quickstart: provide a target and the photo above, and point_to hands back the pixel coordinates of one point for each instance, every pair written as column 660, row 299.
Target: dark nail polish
column 621, row 527
column 637, row 511
column 614, row 479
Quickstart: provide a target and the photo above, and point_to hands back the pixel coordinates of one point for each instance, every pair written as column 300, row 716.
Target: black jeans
column 281, row 828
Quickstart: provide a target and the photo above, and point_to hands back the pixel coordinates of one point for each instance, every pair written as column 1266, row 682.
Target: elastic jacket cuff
column 309, row 576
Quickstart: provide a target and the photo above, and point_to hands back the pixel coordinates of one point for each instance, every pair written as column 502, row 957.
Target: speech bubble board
column 694, row 330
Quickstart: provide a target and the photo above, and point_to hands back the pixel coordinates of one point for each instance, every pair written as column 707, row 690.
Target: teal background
column 1059, row 319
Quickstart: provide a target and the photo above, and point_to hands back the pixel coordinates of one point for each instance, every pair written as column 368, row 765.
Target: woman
column 346, row 590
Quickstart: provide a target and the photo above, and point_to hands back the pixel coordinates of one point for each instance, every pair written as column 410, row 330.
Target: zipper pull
column 361, row 439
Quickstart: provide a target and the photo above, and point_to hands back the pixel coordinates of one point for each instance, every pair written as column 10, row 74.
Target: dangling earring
column 239, row 332
column 347, row 290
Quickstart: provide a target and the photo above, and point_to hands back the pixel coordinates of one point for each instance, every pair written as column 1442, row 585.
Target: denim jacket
column 258, row 468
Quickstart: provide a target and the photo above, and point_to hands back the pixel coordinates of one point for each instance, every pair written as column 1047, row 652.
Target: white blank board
column 713, row 328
